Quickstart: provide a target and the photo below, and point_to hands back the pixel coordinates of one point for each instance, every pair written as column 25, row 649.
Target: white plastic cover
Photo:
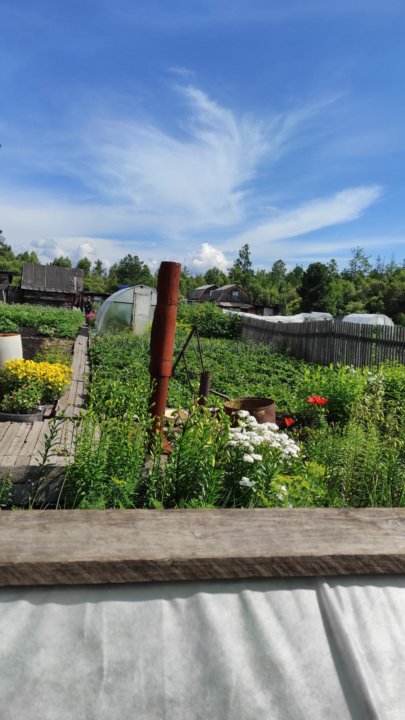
column 299, row 318
column 368, row 319
column 279, row 649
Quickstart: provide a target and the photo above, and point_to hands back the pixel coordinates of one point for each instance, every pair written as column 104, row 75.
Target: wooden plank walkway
column 22, row 444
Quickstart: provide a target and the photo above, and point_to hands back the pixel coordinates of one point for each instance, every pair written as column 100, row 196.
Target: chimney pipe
column 162, row 338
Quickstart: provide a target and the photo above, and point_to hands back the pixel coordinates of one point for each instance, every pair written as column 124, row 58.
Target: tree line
column 362, row 286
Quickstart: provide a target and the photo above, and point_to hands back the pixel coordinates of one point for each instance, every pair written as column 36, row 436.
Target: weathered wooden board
column 122, row 546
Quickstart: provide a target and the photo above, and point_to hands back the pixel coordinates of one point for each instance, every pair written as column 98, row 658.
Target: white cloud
column 76, row 247
column 206, row 257
column 342, row 207
column 190, row 179
column 174, row 187
column 86, row 249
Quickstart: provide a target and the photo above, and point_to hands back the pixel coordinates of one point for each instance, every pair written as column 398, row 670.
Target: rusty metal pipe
column 204, row 389
column 162, row 338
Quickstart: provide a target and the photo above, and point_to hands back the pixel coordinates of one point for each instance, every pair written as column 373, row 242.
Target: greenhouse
column 129, row 307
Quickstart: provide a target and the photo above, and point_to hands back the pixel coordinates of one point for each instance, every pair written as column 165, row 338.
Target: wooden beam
column 122, row 546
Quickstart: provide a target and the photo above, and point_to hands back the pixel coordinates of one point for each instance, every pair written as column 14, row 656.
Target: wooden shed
column 51, row 285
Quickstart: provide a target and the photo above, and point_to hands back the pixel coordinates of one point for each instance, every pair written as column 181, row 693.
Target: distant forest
column 361, row 287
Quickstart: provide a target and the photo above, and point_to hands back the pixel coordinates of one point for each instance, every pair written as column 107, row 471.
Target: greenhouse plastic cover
column 368, row 319
column 129, row 306
column 299, row 318
column 282, row 649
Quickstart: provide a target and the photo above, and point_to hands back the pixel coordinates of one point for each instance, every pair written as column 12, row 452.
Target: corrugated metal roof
column 234, row 304
column 226, row 287
column 200, row 291
column 204, row 287
column 52, row 278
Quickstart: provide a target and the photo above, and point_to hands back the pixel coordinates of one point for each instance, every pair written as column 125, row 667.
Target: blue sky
column 182, row 130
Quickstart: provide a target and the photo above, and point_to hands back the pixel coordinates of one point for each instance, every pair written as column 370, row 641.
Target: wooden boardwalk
column 22, row 444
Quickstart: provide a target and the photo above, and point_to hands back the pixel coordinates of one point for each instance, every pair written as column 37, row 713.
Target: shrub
column 24, row 400
column 342, row 386
column 51, row 379
column 209, row 320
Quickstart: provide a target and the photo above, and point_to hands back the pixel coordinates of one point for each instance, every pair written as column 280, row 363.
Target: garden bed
column 35, row 344
column 348, row 426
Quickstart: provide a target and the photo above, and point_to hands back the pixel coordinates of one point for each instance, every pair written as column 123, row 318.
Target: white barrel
column 10, row 347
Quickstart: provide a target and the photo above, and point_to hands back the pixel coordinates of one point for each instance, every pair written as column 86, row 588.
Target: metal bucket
column 263, row 409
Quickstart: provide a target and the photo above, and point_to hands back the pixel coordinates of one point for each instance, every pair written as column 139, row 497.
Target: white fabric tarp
column 288, row 649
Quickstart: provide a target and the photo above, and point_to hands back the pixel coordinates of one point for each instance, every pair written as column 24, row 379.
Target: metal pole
column 162, row 338
column 204, row 389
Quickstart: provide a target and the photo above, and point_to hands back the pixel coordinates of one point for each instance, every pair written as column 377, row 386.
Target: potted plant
column 25, row 384
column 22, row 404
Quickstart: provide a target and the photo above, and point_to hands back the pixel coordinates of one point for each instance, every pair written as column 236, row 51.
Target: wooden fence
column 330, row 341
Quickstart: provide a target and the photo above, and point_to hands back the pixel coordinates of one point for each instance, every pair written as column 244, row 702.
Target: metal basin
column 263, row 409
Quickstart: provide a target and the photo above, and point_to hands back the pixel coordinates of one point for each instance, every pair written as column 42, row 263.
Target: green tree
column 62, row 261
column 317, row 289
column 394, row 297
column 278, row 272
column 241, row 271
column 215, row 276
column 130, row 271
column 359, row 265
column 294, row 278
column 85, row 265
column 28, row 257
column 98, row 268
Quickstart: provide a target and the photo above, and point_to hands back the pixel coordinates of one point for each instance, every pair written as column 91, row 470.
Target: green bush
column 209, row 320
column 342, row 385
column 22, row 400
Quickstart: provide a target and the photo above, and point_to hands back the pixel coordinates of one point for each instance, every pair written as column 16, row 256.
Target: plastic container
column 10, row 347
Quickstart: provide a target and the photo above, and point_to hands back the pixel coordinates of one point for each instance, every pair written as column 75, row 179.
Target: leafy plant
column 109, row 463
column 49, row 321
column 24, row 400
column 209, row 320
column 50, row 379
column 8, row 326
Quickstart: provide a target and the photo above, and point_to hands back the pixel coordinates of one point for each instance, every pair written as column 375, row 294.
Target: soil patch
column 34, row 343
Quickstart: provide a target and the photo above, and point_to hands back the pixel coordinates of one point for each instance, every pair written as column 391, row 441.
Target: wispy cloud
column 194, row 177
column 162, row 189
column 202, row 173
column 339, row 208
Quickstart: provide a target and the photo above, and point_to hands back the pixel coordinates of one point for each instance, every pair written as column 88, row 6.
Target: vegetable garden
column 341, row 440
column 49, row 321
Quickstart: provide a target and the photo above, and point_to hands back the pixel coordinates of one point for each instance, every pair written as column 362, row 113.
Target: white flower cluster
column 247, row 482
column 250, row 434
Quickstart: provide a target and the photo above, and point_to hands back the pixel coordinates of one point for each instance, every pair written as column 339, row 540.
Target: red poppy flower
column 289, row 421
column 317, row 400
